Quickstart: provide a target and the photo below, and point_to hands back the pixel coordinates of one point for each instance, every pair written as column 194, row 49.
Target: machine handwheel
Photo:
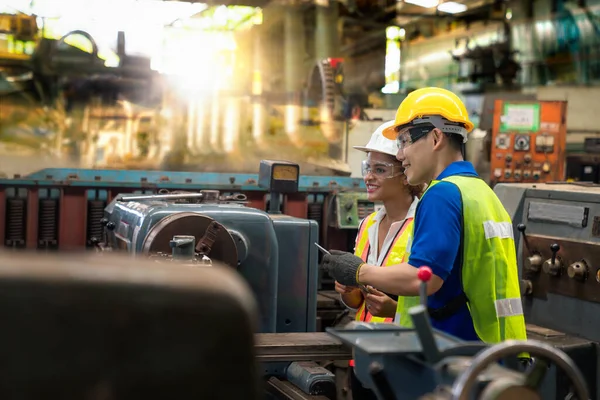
column 530, row 380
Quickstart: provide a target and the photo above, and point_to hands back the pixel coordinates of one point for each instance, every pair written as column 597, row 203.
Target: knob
column 553, row 266
column 526, row 287
column 104, row 221
column 534, row 263
column 578, row 270
column 111, row 226
column 508, row 157
column 527, row 158
column 349, row 218
column 521, row 228
column 348, row 205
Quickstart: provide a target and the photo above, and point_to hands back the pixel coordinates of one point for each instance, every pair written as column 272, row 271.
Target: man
column 461, row 230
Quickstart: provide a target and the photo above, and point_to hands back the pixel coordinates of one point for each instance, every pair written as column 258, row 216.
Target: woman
column 383, row 236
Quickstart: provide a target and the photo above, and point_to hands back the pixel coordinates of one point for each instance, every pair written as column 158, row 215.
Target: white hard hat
column 380, row 143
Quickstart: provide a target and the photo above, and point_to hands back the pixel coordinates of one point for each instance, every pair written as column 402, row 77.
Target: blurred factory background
column 217, row 86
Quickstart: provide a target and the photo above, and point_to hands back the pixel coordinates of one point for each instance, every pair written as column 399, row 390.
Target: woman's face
column 383, row 176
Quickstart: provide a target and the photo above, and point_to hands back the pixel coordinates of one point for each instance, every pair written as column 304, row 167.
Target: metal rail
column 304, row 346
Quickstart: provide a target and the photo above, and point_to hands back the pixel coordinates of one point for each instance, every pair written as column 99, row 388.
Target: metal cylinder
column 294, row 60
column 326, row 34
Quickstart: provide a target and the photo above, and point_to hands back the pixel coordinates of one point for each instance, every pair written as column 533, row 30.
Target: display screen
column 285, row 173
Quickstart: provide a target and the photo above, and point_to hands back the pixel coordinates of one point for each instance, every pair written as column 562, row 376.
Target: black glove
column 342, row 266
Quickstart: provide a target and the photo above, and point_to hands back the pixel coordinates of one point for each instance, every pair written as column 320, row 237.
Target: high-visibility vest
column 396, row 254
column 489, row 264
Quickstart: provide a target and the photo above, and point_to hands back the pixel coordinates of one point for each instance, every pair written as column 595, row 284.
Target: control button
column 517, row 174
column 578, row 271
column 508, row 157
column 553, row 266
column 527, row 158
column 349, row 218
column 526, row 174
column 536, row 175
column 507, row 173
column 546, row 167
column 498, row 172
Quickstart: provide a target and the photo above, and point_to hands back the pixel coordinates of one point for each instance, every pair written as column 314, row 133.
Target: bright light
column 451, row 7
column 423, row 3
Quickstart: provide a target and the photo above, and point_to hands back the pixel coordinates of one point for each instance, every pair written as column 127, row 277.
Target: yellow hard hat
column 430, row 101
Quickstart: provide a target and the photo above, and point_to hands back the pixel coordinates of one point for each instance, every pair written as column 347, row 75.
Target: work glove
column 342, row 266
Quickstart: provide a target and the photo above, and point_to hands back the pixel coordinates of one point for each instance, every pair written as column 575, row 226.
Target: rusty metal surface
column 304, row 346
column 186, row 223
column 571, row 251
column 109, row 327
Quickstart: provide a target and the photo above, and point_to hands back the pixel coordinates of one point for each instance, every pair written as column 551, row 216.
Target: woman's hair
column 416, row 190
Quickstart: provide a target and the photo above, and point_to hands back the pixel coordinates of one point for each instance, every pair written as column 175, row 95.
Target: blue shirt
column 436, row 244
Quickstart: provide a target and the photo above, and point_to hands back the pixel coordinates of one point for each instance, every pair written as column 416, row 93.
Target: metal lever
column 421, row 321
column 424, row 274
column 554, row 248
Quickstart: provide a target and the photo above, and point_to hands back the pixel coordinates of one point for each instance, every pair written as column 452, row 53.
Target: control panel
column 528, row 141
column 557, row 232
column 350, row 208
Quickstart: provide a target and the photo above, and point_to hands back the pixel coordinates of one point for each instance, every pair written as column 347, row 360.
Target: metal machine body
column 272, row 252
column 421, row 363
column 557, row 232
column 121, row 328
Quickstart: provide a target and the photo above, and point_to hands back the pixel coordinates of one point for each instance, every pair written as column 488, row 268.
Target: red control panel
column 528, row 141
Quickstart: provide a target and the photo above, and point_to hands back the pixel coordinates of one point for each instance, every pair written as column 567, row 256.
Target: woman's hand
column 380, row 304
column 350, row 295
column 342, row 289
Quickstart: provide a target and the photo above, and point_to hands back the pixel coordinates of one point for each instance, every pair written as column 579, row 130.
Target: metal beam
column 303, row 346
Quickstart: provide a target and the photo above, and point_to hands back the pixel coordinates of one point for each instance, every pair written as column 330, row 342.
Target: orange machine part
column 528, row 141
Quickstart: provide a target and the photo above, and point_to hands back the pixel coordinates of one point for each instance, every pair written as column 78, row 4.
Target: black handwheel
column 532, row 379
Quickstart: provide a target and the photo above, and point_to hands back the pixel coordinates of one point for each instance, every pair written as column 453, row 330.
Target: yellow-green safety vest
column 396, row 255
column 489, row 264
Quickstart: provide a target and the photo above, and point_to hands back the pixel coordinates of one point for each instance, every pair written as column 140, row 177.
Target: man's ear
column 438, row 138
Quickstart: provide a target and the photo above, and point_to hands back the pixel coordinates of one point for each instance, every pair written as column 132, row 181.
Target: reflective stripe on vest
column 395, row 255
column 489, row 265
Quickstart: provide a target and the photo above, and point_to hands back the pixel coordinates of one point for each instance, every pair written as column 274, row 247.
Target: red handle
column 424, row 274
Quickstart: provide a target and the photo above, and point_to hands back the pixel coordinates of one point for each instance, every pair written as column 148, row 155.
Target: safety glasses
column 381, row 169
column 408, row 135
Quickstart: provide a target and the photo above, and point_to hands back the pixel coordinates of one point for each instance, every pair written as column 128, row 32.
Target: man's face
column 416, row 154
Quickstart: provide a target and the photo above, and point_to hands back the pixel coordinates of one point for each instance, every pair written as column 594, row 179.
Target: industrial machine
column 557, row 233
column 528, row 141
column 272, row 251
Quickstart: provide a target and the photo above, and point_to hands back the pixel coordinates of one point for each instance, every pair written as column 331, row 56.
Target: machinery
column 272, row 251
column 528, row 141
column 557, row 233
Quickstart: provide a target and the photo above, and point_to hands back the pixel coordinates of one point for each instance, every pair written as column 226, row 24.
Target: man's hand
column 342, row 266
column 379, row 304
